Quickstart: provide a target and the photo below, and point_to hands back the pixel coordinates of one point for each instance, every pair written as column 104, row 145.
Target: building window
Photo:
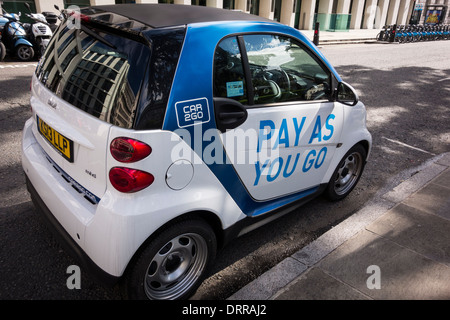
column 19, row 6
column 79, row 3
column 228, row 4
column 254, row 7
column 199, row 3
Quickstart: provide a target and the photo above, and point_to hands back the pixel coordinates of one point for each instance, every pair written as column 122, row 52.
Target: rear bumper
column 66, row 240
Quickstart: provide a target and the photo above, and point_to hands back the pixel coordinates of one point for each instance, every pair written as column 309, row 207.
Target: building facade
column 333, row 15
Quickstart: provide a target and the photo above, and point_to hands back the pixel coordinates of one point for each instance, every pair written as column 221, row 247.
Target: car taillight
column 130, row 180
column 129, row 150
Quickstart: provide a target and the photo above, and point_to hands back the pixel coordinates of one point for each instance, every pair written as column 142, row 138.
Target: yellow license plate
column 63, row 145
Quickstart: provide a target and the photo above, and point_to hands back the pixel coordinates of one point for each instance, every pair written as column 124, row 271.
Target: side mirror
column 346, row 94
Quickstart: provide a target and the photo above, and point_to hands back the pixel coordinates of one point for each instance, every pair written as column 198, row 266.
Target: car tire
column 2, row 51
column 24, row 53
column 347, row 173
column 173, row 264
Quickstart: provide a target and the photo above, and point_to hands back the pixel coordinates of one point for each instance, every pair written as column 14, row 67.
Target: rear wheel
column 347, row 173
column 24, row 53
column 173, row 265
column 2, row 51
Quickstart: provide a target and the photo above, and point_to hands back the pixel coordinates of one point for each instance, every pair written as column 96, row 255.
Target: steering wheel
column 275, row 89
column 288, row 81
column 319, row 96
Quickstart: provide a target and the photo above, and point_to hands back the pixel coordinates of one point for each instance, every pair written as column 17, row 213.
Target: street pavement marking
column 408, row 146
column 19, row 65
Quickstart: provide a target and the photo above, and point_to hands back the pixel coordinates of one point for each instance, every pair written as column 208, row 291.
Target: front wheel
column 173, row 264
column 24, row 52
column 347, row 173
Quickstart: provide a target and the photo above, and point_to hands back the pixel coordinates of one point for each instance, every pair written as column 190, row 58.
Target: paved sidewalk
column 343, row 37
column 396, row 247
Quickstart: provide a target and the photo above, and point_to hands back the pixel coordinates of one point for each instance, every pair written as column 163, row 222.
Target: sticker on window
column 191, row 112
column 235, row 89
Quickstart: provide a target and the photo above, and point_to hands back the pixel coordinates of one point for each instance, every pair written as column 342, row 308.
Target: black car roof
column 166, row 15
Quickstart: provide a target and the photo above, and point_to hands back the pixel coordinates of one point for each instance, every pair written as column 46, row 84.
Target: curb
column 346, row 41
column 270, row 284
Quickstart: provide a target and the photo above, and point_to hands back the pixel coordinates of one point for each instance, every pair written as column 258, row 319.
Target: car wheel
column 174, row 263
column 24, row 53
column 347, row 173
column 2, row 51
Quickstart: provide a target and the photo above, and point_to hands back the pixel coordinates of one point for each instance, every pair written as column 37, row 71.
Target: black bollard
column 316, row 34
column 393, row 31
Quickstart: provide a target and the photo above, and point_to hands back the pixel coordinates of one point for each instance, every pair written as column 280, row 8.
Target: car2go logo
column 192, row 112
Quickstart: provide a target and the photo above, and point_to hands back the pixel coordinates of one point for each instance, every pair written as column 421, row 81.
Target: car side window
column 282, row 70
column 229, row 77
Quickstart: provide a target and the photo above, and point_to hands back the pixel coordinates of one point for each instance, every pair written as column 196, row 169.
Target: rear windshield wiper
column 97, row 36
column 114, row 29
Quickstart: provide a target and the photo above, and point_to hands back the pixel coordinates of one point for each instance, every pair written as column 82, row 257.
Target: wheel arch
column 366, row 145
column 207, row 216
column 365, row 142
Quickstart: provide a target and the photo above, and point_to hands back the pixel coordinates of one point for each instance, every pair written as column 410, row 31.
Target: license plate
column 63, row 145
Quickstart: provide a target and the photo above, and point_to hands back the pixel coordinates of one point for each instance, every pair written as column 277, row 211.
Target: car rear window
column 103, row 72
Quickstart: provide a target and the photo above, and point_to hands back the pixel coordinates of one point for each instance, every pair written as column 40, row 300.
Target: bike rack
column 414, row 33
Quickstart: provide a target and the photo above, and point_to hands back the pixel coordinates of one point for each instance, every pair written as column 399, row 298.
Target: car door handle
column 229, row 113
column 232, row 115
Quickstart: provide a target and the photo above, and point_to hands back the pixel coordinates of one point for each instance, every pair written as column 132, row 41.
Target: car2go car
column 160, row 132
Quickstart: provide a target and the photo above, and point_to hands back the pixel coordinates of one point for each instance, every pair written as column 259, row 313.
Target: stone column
column 369, row 14
column 214, row 3
column 265, row 7
column 343, row 6
column 325, row 8
column 393, row 12
column 403, row 12
column 380, row 19
column 241, row 5
column 287, row 16
column 357, row 13
column 307, row 14
column 342, row 10
column 447, row 18
column 186, row 2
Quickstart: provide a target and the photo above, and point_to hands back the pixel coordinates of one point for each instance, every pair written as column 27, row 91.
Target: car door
column 274, row 107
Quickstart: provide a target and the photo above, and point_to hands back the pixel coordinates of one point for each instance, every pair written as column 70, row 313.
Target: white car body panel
column 282, row 162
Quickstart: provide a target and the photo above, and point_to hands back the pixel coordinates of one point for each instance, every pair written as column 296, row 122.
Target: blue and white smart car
column 160, row 132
